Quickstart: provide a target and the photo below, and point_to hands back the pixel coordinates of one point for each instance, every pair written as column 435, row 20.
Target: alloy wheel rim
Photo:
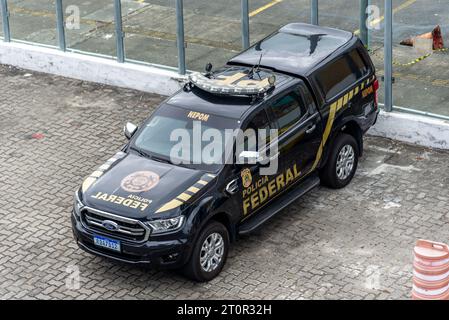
column 345, row 162
column 212, row 251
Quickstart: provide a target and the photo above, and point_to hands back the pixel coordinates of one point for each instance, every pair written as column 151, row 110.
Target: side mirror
column 249, row 157
column 129, row 129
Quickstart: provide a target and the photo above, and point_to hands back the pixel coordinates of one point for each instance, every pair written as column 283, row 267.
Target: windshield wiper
column 161, row 159
column 141, row 152
column 155, row 158
column 149, row 156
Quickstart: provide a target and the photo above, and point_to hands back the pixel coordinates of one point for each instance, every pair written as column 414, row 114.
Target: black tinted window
column 357, row 65
column 288, row 110
column 258, row 122
column 341, row 74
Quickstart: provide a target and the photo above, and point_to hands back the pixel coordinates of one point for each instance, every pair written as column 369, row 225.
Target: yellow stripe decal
column 327, row 131
column 187, row 194
column 351, row 94
column 345, row 99
column 334, row 108
column 339, row 104
column 184, row 196
column 169, row 205
column 193, row 189
column 96, row 174
column 198, row 186
column 87, row 183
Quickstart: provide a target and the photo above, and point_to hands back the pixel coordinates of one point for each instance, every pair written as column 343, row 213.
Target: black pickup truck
column 315, row 87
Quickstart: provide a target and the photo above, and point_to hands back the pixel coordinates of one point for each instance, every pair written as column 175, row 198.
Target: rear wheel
column 342, row 162
column 209, row 253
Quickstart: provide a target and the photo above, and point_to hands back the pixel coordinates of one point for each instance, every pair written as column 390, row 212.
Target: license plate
column 107, row 243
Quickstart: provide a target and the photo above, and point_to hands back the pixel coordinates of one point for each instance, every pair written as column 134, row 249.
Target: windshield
column 185, row 137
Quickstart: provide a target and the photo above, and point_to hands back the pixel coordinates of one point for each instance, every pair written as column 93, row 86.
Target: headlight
column 77, row 204
column 166, row 225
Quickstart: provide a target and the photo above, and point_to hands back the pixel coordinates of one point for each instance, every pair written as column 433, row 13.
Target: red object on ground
column 438, row 42
column 430, row 271
column 37, row 136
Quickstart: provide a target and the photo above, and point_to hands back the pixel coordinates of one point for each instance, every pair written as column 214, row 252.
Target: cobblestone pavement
column 351, row 243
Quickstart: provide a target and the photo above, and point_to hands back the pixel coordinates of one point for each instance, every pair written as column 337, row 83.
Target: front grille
column 128, row 229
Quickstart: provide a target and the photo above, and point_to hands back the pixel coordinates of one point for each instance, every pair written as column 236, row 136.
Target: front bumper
column 159, row 254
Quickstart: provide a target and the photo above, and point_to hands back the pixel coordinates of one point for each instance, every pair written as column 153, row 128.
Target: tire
column 194, row 269
column 341, row 149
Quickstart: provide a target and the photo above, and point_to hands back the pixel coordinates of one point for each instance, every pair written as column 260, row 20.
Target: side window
column 258, row 122
column 288, row 110
column 357, row 64
column 341, row 74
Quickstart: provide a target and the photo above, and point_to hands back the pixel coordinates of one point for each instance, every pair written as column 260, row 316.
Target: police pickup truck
column 316, row 87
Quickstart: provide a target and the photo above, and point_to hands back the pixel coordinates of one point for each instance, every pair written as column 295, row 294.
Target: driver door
column 246, row 178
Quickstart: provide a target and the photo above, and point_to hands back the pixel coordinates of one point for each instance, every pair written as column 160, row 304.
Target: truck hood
column 140, row 188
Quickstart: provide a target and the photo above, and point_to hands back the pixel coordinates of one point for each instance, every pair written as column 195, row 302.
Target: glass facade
column 150, row 32
column 214, row 31
column 40, row 17
column 90, row 26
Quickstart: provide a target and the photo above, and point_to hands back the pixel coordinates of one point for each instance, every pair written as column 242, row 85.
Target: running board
column 272, row 209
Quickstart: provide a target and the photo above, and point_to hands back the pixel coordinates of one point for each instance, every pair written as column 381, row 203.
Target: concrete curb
column 90, row 68
column 404, row 127
column 416, row 129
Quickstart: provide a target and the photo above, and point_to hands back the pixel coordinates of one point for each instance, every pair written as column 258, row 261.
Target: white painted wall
column 399, row 126
column 90, row 68
column 412, row 128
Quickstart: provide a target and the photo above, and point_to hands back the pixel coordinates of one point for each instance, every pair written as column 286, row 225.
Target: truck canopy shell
column 296, row 49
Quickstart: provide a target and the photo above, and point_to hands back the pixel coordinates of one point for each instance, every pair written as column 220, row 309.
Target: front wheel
column 342, row 162
column 209, row 253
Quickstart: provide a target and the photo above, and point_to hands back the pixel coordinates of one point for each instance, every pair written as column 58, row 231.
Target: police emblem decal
column 247, row 179
column 140, row 181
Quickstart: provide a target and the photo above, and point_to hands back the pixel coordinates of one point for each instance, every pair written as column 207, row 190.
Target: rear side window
column 357, row 64
column 341, row 74
column 288, row 110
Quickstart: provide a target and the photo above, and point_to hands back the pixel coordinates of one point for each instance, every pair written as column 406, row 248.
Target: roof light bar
column 241, row 88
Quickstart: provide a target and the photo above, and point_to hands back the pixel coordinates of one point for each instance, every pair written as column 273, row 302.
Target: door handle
column 311, row 129
column 232, row 187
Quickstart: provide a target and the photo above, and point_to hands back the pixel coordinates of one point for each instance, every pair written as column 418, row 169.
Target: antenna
column 256, row 67
column 260, row 60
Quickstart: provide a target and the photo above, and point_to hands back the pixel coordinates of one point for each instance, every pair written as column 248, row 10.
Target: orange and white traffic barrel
column 431, row 271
